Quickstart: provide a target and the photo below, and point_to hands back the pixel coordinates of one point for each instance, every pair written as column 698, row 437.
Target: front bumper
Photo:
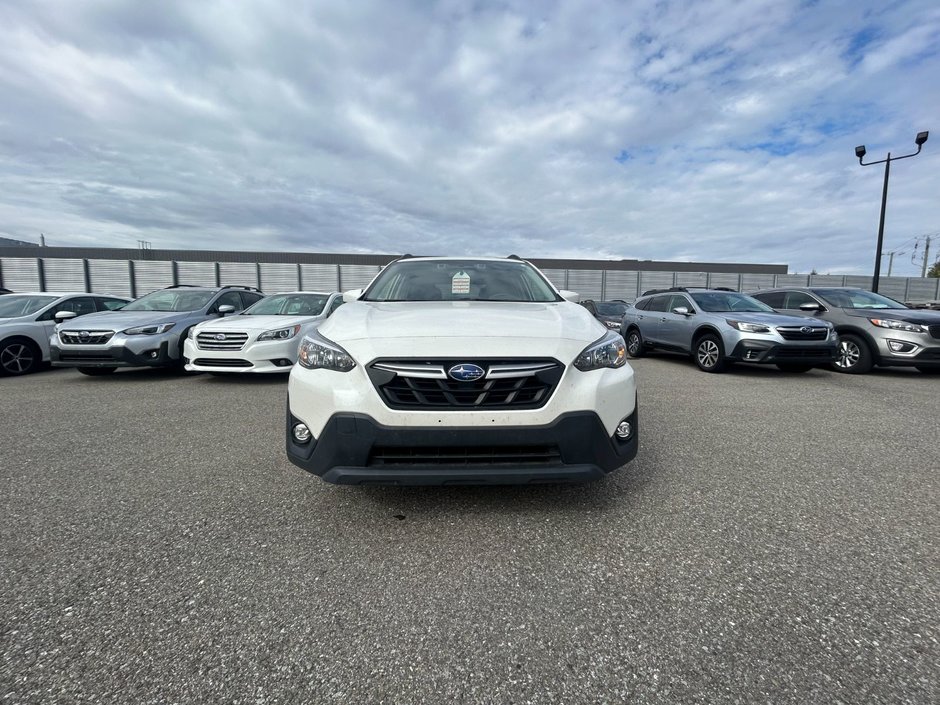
column 770, row 352
column 120, row 351
column 913, row 349
column 265, row 357
column 354, row 449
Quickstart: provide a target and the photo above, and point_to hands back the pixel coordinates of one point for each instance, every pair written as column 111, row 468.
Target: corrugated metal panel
column 724, row 279
column 238, row 274
column 20, row 273
column 586, row 282
column 826, row 280
column 279, row 277
column 691, row 278
column 196, row 273
column 922, row 289
column 655, row 280
column 893, row 287
column 64, row 274
column 356, row 276
column 318, row 277
column 621, row 284
column 792, row 280
column 753, row 282
column 860, row 282
column 110, row 276
column 555, row 276
column 151, row 276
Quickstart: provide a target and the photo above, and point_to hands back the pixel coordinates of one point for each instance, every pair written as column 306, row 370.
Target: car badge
column 806, row 329
column 84, row 335
column 466, row 372
column 220, row 336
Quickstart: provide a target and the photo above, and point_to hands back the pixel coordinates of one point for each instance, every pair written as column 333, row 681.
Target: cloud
column 656, row 130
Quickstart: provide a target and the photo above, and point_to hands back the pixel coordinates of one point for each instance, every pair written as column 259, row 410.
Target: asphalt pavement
column 775, row 541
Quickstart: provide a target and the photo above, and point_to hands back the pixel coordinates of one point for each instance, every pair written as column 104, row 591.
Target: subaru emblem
column 466, row 372
column 220, row 336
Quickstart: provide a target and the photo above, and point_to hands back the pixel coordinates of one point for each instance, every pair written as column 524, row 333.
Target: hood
column 254, row 324
column 459, row 328
column 773, row 319
column 121, row 320
column 912, row 315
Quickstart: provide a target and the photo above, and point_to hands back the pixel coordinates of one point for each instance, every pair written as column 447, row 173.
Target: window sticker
column 460, row 283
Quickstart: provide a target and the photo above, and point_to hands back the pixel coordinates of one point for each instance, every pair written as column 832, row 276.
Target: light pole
column 860, row 153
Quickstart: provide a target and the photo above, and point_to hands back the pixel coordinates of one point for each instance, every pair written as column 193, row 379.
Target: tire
column 929, row 370
column 96, row 371
column 709, row 354
column 855, row 356
column 794, row 367
column 19, row 357
column 634, row 342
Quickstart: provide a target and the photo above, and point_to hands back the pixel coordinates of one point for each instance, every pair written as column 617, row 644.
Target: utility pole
column 890, row 262
column 923, row 270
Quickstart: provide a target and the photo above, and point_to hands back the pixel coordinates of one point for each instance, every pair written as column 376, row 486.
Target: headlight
column 609, row 351
column 895, row 324
column 318, row 353
column 833, row 334
column 612, row 324
column 280, row 333
column 150, row 330
column 191, row 334
column 746, row 327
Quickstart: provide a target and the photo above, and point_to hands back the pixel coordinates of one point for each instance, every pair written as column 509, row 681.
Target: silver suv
column 148, row 332
column 873, row 329
column 720, row 326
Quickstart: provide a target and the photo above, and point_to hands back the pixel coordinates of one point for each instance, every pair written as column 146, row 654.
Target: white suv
column 261, row 339
column 461, row 371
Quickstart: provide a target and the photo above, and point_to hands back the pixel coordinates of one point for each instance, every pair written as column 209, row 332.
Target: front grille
column 67, row 357
column 934, row 331
column 459, row 456
column 217, row 340
column 85, row 337
column 221, row 362
column 804, row 333
column 796, row 352
column 506, row 384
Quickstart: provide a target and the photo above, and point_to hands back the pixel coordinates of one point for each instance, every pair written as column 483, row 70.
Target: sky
column 714, row 130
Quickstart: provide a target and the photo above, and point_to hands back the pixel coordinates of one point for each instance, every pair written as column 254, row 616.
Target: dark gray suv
column 148, row 332
column 873, row 329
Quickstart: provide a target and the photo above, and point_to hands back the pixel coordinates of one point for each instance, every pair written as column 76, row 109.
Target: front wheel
column 710, row 354
column 96, row 371
column 854, row 356
column 634, row 343
column 793, row 367
column 19, row 357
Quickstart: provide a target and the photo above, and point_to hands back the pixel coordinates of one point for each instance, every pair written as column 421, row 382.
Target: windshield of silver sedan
column 460, row 280
column 726, row 302
column 289, row 305
column 175, row 300
column 12, row 305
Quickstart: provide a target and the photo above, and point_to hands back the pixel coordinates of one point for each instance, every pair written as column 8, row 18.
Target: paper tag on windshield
column 460, row 283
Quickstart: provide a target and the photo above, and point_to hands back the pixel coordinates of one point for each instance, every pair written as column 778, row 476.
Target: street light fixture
column 860, row 153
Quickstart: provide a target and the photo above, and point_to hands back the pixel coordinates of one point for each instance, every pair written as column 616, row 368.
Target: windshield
column 726, row 301
column 171, row 300
column 856, row 298
column 611, row 308
column 12, row 306
column 460, row 280
column 289, row 305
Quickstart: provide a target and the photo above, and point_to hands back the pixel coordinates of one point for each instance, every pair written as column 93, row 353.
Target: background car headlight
column 612, row 324
column 895, row 324
column 609, row 351
column 280, row 333
column 150, row 330
column 318, row 353
column 746, row 327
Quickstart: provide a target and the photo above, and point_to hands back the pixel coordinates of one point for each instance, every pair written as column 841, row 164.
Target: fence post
column 300, row 278
column 258, row 274
column 174, row 268
column 907, row 290
column 218, row 275
column 86, row 274
column 603, row 285
column 41, row 270
column 339, row 278
column 132, row 274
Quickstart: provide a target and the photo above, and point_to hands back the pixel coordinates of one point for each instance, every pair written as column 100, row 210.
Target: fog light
column 899, row 346
column 153, row 354
column 624, row 430
column 301, row 433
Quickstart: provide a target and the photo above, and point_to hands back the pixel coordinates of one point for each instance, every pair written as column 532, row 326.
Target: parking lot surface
column 776, row 540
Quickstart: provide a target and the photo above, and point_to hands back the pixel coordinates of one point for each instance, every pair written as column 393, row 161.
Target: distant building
column 9, row 242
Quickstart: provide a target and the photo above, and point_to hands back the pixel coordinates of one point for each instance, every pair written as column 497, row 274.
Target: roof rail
column 663, row 291
column 239, row 286
column 724, row 288
column 188, row 286
column 514, row 257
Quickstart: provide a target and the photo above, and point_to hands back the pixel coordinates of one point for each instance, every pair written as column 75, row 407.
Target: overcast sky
column 713, row 131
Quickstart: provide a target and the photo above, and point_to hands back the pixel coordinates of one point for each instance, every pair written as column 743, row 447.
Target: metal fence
column 137, row 277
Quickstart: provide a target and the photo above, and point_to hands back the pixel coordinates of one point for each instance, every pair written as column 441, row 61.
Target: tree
column 934, row 271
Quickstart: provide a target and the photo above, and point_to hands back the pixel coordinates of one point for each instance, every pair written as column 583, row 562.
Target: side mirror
column 682, row 311
column 572, row 296
column 811, row 307
column 352, row 295
column 226, row 308
column 61, row 316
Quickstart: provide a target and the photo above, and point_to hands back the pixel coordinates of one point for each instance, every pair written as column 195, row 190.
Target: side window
column 679, row 300
column 642, row 305
column 229, row 298
column 659, row 303
column 80, row 305
column 795, row 299
column 250, row 297
column 337, row 302
column 110, row 304
column 774, row 299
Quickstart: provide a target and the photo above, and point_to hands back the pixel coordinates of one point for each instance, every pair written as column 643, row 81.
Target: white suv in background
column 461, row 371
column 263, row 338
